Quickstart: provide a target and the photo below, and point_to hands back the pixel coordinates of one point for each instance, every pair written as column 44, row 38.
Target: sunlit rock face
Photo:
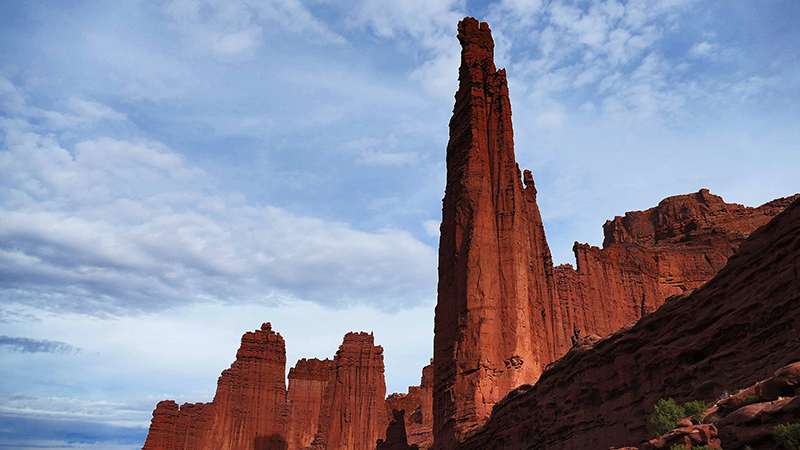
column 496, row 286
column 353, row 414
column 330, row 404
column 648, row 256
column 308, row 381
column 737, row 328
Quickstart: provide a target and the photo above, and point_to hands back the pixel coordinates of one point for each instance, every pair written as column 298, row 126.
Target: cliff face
column 737, row 329
column 648, row 256
column 175, row 428
column 495, row 272
column 308, row 380
column 417, row 406
column 336, row 404
column 353, row 414
column 250, row 403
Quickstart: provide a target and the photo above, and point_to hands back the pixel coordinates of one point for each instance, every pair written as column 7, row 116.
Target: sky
column 173, row 173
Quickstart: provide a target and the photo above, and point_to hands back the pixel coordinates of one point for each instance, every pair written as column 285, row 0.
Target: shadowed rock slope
column 737, row 329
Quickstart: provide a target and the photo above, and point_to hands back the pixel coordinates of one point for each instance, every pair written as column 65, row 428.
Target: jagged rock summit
column 503, row 311
column 495, row 272
column 735, row 330
column 330, row 404
column 633, row 321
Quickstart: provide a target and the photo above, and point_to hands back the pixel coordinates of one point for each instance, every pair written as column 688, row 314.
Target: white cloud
column 432, row 227
column 550, row 119
column 120, row 225
column 237, row 27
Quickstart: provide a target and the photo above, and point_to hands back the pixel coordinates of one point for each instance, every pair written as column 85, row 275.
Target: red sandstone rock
column 739, row 325
column 353, row 414
column 418, row 408
column 495, row 272
column 649, row 256
column 164, row 433
column 335, row 404
column 396, row 434
column 690, row 436
column 250, row 403
column 248, row 411
column 308, row 380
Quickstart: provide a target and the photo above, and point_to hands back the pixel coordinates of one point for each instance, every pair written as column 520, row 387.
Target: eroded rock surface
column 649, row 256
column 726, row 335
column 417, row 406
column 495, row 272
column 308, row 381
column 330, row 404
column 353, row 414
column 250, row 403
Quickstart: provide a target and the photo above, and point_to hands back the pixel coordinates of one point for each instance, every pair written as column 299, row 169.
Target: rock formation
column 175, row 428
column 353, row 414
column 330, row 404
column 495, row 271
column 250, row 403
column 503, row 311
column 308, row 380
column 648, row 256
column 728, row 334
column 417, row 405
column 396, row 434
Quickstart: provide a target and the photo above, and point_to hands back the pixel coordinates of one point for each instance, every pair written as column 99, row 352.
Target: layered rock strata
column 308, row 381
column 353, row 414
column 330, row 404
column 503, row 311
column 733, row 331
column 495, row 272
column 648, row 256
column 417, row 406
column 178, row 428
column 250, row 403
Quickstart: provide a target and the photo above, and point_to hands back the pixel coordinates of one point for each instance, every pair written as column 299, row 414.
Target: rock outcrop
column 330, row 404
column 248, row 411
column 495, row 272
column 175, row 428
column 417, row 406
column 503, row 311
column 353, row 414
column 396, row 434
column 648, row 256
column 733, row 331
column 308, row 381
column 250, row 403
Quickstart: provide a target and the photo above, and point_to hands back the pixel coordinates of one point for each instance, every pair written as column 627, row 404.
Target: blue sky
column 173, row 173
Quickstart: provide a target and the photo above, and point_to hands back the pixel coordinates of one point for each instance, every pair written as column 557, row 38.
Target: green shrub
column 695, row 410
column 750, row 400
column 788, row 436
column 665, row 415
column 696, row 447
column 678, row 447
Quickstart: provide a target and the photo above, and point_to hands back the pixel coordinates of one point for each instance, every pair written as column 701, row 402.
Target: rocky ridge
column 727, row 334
column 330, row 404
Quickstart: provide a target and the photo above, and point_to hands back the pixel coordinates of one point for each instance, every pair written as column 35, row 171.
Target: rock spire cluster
column 632, row 322
column 330, row 404
column 503, row 311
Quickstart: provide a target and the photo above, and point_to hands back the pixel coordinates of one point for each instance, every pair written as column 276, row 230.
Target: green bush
column 788, row 436
column 750, row 400
column 695, row 410
column 665, row 415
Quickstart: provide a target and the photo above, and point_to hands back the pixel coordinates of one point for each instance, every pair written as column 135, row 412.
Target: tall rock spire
column 495, row 272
